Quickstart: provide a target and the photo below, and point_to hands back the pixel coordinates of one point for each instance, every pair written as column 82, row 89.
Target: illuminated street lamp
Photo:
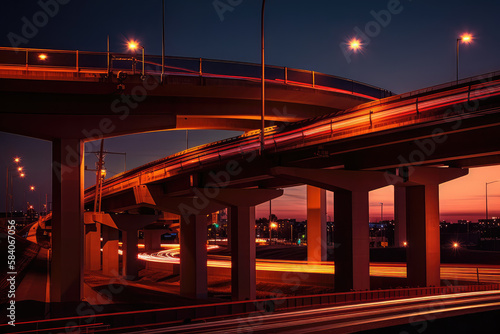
column 134, row 45
column 487, row 196
column 42, row 56
column 455, row 245
column 271, row 226
column 9, row 198
column 466, row 39
column 263, row 77
column 32, row 188
column 354, row 44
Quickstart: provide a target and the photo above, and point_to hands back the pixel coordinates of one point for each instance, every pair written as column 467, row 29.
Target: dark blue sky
column 414, row 50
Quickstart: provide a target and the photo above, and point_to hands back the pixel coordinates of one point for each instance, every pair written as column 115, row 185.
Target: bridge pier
column 241, row 203
column 243, row 276
column 399, row 216
column 351, row 230
column 110, row 257
column 152, row 239
column 316, row 224
column 193, row 242
column 93, row 246
column 422, row 217
column 130, row 252
column 351, row 240
column 66, row 276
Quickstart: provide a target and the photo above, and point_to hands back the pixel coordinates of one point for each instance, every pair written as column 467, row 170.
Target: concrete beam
column 335, row 179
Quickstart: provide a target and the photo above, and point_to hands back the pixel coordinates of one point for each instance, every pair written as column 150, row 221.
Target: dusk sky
column 413, row 48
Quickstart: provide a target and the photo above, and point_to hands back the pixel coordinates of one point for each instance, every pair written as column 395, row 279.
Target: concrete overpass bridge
column 413, row 141
column 350, row 152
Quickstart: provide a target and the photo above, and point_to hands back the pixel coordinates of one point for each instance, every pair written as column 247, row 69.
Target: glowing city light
column 42, row 56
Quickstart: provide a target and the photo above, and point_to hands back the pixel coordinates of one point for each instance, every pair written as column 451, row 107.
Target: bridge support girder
column 421, row 191
column 351, row 231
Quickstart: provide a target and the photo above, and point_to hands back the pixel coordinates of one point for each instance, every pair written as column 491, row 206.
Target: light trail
column 487, row 274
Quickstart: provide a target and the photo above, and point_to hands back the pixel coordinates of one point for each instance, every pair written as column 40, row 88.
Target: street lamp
column 486, row 197
column 354, row 44
column 134, row 45
column 42, row 56
column 271, row 226
column 263, row 74
column 9, row 198
column 466, row 39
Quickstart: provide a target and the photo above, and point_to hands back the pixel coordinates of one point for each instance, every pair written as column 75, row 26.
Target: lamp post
column 9, row 198
column 465, row 38
column 133, row 45
column 486, row 197
column 263, row 74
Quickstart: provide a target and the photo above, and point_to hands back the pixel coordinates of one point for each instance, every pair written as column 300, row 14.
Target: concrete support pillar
column 316, row 224
column 399, row 216
column 93, row 246
column 351, row 239
column 66, row 277
column 243, row 283
column 130, row 252
column 193, row 256
column 423, row 250
column 152, row 240
column 110, row 258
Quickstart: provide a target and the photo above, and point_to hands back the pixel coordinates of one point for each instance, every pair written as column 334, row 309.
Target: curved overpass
column 371, row 136
column 68, row 94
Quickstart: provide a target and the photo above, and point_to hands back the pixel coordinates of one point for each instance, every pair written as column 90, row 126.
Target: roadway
column 449, row 272
column 416, row 313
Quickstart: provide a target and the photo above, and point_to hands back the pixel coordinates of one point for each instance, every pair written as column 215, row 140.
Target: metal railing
column 77, row 61
column 241, row 308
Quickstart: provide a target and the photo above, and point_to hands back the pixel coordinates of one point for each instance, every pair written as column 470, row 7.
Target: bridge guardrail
column 33, row 59
column 239, row 308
